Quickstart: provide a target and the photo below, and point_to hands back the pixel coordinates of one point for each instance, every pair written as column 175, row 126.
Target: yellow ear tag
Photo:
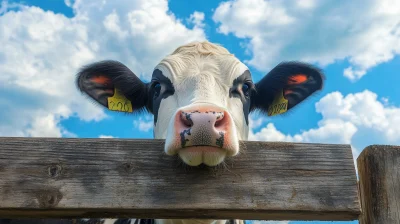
column 278, row 106
column 119, row 102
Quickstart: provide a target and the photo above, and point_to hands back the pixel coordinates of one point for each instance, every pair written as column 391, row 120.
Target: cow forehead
column 223, row 69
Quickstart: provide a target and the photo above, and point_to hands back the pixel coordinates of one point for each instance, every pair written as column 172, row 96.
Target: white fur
column 201, row 72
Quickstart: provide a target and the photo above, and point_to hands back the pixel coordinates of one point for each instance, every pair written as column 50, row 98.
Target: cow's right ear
column 113, row 85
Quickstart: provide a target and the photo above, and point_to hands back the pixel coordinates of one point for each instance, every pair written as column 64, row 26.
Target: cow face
column 201, row 97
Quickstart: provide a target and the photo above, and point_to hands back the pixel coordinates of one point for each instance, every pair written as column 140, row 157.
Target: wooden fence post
column 379, row 174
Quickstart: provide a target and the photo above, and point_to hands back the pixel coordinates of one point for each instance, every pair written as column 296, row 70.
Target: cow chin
column 196, row 155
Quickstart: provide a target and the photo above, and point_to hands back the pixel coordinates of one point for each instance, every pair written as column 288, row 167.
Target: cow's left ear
column 113, row 85
column 285, row 86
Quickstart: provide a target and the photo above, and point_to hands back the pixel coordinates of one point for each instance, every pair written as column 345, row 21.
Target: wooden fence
column 82, row 178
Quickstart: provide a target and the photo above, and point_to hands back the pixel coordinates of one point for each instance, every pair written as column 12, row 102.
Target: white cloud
column 112, row 24
column 307, row 4
column 68, row 3
column 45, row 126
column 144, row 123
column 353, row 75
column 385, row 101
column 329, row 131
column 364, row 110
column 358, row 119
column 42, row 51
column 197, row 19
column 365, row 32
column 269, row 222
column 269, row 133
column 256, row 121
column 5, row 6
column 106, row 136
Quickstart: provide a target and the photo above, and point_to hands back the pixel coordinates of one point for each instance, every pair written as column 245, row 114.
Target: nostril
column 220, row 119
column 186, row 119
column 187, row 123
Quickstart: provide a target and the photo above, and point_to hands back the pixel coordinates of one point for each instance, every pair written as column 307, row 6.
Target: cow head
column 201, row 97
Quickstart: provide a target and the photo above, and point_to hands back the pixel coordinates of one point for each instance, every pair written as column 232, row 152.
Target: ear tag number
column 278, row 106
column 119, row 102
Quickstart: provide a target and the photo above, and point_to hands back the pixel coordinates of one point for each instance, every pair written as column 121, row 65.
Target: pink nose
column 206, row 127
column 212, row 119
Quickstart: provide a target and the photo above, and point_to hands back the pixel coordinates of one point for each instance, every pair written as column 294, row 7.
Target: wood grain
column 379, row 173
column 72, row 178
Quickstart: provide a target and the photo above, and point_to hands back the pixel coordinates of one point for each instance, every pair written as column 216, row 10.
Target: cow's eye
column 245, row 89
column 157, row 89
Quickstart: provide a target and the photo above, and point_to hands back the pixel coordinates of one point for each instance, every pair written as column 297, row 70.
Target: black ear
column 285, row 86
column 113, row 85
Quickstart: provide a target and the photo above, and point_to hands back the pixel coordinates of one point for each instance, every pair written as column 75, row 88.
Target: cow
column 201, row 96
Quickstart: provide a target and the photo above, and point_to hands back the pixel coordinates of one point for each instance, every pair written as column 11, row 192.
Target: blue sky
column 356, row 43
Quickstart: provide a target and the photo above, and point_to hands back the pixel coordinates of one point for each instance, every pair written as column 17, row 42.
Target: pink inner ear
column 101, row 79
column 110, row 91
column 287, row 91
column 297, row 79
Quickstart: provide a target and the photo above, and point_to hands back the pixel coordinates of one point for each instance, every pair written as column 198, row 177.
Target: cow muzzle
column 202, row 133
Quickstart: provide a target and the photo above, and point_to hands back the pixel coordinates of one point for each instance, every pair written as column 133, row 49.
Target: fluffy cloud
column 365, row 111
column 106, row 136
column 366, row 33
column 197, row 19
column 269, row 222
column 329, row 131
column 144, row 123
column 41, row 52
column 358, row 119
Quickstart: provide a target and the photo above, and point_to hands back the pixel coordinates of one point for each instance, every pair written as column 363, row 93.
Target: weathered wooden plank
column 379, row 173
column 71, row 178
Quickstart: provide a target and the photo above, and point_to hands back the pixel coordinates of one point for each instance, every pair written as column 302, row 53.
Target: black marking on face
column 220, row 140
column 188, row 117
column 183, row 139
column 157, row 93
column 237, row 91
